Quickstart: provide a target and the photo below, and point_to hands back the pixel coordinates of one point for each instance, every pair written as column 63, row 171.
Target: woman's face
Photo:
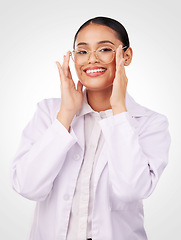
column 91, row 38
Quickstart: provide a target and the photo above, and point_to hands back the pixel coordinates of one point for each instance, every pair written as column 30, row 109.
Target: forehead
column 94, row 33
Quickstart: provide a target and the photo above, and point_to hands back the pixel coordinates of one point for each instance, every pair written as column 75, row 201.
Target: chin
column 97, row 87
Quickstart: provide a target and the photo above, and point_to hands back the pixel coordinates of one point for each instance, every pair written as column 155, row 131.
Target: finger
column 121, row 64
column 120, row 69
column 119, row 54
column 65, row 64
column 65, row 68
column 61, row 73
column 69, row 73
column 79, row 87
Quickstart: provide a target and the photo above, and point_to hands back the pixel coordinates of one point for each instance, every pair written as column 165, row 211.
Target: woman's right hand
column 71, row 98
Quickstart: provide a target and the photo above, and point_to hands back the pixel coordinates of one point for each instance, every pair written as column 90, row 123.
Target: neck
column 99, row 100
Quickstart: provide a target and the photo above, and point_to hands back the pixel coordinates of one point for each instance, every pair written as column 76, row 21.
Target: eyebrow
column 105, row 41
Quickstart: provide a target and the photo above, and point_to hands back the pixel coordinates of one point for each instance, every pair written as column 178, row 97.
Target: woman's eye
column 81, row 52
column 105, row 50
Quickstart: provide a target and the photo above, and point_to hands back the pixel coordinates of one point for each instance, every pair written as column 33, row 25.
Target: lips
column 94, row 71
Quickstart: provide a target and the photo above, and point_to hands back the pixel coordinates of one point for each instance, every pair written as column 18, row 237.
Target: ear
column 128, row 54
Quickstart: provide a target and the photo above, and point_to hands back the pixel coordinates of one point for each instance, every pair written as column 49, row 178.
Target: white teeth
column 96, row 70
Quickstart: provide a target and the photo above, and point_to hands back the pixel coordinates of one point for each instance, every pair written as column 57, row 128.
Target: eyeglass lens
column 104, row 55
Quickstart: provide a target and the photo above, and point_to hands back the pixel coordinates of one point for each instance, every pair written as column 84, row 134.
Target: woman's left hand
column 118, row 96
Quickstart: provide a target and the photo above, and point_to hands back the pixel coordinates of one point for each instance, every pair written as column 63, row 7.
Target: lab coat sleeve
column 137, row 158
column 41, row 154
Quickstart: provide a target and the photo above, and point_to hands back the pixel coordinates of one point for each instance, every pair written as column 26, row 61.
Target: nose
column 93, row 57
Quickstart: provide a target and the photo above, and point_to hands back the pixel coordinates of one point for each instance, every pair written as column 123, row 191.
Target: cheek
column 78, row 70
column 112, row 71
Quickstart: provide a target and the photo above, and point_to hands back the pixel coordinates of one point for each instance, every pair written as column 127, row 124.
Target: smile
column 96, row 70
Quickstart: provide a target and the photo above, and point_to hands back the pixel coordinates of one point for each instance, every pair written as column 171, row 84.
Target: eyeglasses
column 104, row 54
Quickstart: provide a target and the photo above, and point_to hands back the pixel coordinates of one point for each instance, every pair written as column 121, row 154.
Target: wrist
column 119, row 109
column 65, row 118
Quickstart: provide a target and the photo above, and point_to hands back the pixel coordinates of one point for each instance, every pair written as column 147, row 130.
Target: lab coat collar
column 86, row 108
column 77, row 126
column 133, row 108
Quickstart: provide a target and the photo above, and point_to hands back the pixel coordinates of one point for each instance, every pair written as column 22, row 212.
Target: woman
column 89, row 159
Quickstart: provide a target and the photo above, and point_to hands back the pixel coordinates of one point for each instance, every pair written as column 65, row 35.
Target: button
column 76, row 157
column 66, row 197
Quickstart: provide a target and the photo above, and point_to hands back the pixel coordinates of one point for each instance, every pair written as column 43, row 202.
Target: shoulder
column 49, row 106
column 145, row 116
column 137, row 109
column 49, row 103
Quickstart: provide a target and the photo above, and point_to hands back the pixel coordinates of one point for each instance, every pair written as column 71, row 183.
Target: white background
column 34, row 34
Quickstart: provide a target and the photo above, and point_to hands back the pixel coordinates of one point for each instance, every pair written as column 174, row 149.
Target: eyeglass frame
column 95, row 51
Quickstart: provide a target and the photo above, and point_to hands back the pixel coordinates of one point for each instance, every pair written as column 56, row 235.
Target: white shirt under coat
column 80, row 223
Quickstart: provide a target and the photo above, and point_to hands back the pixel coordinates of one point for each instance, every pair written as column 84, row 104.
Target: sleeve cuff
column 118, row 119
column 58, row 128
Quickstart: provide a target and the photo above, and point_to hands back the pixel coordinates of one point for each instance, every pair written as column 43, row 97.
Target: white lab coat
column 47, row 164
